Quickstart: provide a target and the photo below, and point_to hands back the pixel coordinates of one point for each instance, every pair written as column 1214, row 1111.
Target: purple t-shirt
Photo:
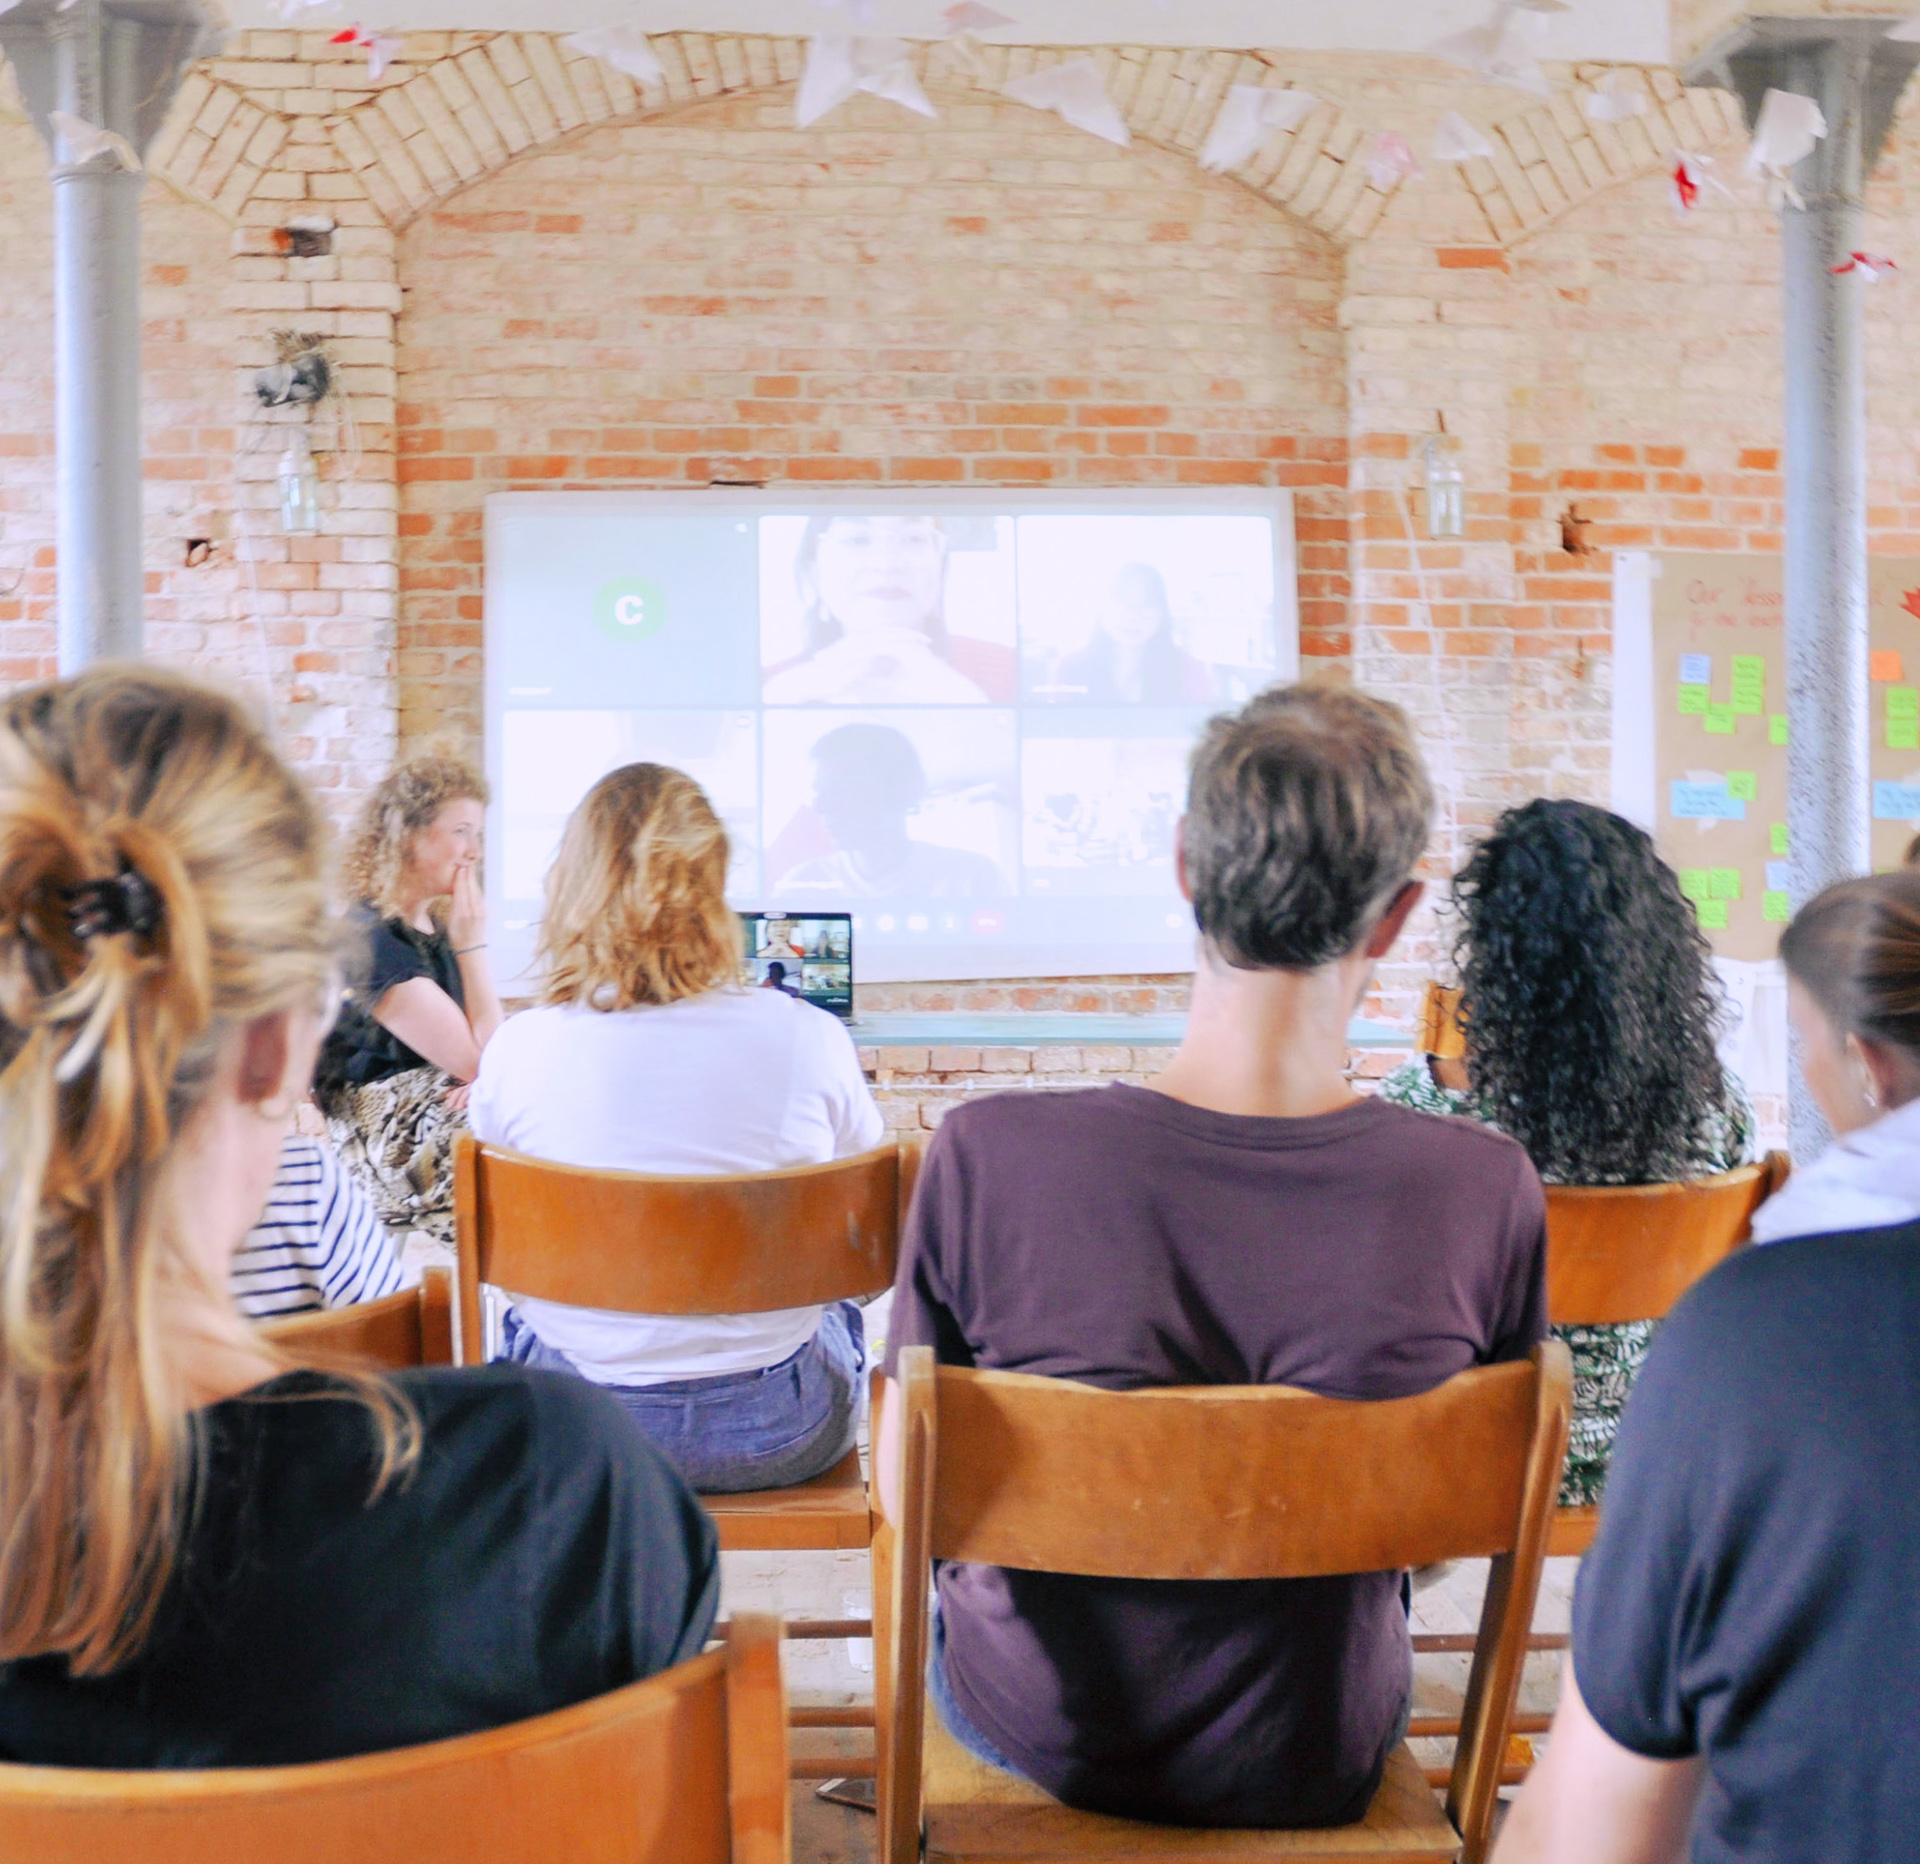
column 1123, row 1238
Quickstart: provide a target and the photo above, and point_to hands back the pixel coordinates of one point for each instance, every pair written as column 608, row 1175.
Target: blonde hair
column 404, row 802
column 134, row 785
column 637, row 897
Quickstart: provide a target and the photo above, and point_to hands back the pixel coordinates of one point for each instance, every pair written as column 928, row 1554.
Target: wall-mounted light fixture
column 299, row 489
column 1446, row 485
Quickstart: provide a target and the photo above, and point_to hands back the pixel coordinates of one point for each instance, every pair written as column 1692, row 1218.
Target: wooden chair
column 1629, row 1252
column 1206, row 1482
column 689, row 1767
column 644, row 1244
column 411, row 1328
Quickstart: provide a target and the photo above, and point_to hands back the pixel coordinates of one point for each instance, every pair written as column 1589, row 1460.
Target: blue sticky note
column 1709, row 802
column 1777, row 881
column 1892, row 802
column 1696, row 669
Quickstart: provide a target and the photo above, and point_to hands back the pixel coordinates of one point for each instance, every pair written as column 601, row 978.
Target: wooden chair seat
column 1571, row 1531
column 830, row 1512
column 976, row 1814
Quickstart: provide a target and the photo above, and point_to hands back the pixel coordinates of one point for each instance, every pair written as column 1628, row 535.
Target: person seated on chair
column 647, row 1053
column 1745, row 1644
column 1245, row 1219
column 1589, row 1010
column 318, row 1243
column 398, row 1064
column 212, row 1555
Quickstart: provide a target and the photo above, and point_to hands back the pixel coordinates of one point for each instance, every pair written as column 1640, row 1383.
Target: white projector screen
column 962, row 717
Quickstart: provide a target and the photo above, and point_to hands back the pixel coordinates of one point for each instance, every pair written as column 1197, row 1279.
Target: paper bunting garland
column 82, row 142
column 292, row 9
column 1075, row 93
column 837, row 67
column 1691, row 173
column 382, row 48
column 1617, row 98
column 1391, row 160
column 1456, row 140
column 1249, row 116
column 1783, row 135
column 1871, row 266
column 624, row 47
column 1505, row 50
column 970, row 16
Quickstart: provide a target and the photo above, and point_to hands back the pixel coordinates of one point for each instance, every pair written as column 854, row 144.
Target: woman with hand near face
column 394, row 1075
column 874, row 591
column 1853, row 996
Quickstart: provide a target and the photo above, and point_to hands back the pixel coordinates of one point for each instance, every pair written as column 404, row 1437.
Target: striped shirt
column 317, row 1244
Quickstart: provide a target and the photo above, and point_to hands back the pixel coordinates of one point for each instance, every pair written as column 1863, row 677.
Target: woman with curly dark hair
column 1589, row 1009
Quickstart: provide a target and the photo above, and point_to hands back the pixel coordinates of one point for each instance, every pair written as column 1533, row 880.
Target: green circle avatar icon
column 629, row 608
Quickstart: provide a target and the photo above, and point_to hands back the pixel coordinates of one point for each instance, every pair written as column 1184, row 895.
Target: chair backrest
column 411, row 1328
column 689, row 1767
column 1629, row 1252
column 639, row 1243
column 1219, row 1482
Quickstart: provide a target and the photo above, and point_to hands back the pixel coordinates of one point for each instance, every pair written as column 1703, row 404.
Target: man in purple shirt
column 1248, row 1219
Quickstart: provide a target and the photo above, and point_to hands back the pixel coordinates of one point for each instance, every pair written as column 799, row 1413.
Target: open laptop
column 807, row 955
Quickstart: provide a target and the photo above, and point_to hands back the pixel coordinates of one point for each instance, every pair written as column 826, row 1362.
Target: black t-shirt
column 542, row 1553
column 1126, row 1239
column 357, row 1049
column 1753, row 1597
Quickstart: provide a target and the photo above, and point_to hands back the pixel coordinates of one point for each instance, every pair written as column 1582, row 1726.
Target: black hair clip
column 126, row 902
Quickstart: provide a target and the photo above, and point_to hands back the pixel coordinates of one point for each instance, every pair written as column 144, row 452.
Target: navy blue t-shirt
column 1753, row 1597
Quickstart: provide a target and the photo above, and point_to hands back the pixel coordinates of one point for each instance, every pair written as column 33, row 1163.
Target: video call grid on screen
column 810, row 957
column 963, row 718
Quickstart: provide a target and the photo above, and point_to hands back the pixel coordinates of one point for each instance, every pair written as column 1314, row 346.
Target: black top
column 1126, row 1239
column 1753, row 1597
column 542, row 1553
column 357, row 1049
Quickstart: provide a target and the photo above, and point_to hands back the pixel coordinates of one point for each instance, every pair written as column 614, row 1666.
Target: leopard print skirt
column 396, row 1137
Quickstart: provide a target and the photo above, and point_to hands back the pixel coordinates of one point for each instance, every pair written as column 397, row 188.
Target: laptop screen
column 807, row 955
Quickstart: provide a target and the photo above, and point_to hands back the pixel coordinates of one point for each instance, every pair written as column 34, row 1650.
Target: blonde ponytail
column 160, row 885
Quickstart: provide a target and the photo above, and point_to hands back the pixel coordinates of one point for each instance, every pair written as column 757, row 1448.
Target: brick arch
column 465, row 116
column 216, row 144
column 1551, row 157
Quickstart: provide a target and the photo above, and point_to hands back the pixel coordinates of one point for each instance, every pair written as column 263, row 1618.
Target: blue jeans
column 766, row 1429
column 941, row 1691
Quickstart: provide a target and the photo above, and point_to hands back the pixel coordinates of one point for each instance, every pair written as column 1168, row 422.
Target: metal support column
column 1856, row 75
column 115, row 65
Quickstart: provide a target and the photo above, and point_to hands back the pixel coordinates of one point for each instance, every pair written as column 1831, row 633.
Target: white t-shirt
column 730, row 1081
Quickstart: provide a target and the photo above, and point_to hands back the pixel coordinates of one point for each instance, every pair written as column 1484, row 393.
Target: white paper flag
column 625, row 47
column 1616, row 98
column 1784, row 134
column 1456, row 140
column 81, row 142
column 382, row 49
column 838, row 66
column 1074, row 92
column 1907, row 32
column 1249, row 116
column 1391, row 160
column 1505, row 50
column 971, row 16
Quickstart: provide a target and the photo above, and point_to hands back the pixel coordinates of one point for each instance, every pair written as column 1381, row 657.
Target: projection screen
column 962, row 717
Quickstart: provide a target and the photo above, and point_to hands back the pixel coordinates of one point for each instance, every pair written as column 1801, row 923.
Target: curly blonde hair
column 637, row 897
column 401, row 804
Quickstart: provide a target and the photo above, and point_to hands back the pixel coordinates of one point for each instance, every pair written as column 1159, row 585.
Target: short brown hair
column 1306, row 811
column 1855, row 950
column 402, row 803
column 637, row 896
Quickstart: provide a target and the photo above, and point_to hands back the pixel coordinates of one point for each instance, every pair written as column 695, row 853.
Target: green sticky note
column 1777, row 838
column 1720, row 719
column 1713, row 915
column 1725, row 882
column 1777, row 728
column 1696, row 883
column 1773, row 908
column 1693, row 699
column 1748, row 704
column 1903, row 734
column 1903, row 701
column 1749, row 669
column 1743, row 785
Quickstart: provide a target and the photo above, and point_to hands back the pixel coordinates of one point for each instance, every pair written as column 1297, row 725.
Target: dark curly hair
column 1589, row 1002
